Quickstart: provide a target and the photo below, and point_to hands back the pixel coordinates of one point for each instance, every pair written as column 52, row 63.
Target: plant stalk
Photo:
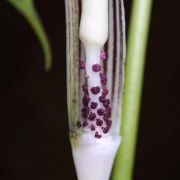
column 134, row 70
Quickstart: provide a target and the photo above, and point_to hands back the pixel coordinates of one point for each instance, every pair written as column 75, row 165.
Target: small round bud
column 96, row 67
column 105, row 92
column 85, row 111
column 85, row 88
column 106, row 103
column 109, row 123
column 103, row 78
column 92, row 127
column 102, row 99
column 95, row 90
column 100, row 112
column 94, row 105
column 97, row 135
column 105, row 130
column 86, row 100
column 99, row 122
column 92, row 116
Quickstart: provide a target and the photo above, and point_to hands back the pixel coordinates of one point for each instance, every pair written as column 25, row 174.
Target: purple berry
column 92, row 127
column 108, row 112
column 102, row 99
column 95, row 90
column 105, row 130
column 85, row 109
column 109, row 123
column 105, row 118
column 85, row 88
column 96, row 67
column 106, row 103
column 92, row 116
column 108, row 109
column 82, row 64
column 94, row 105
column 99, row 122
column 105, row 92
column 100, row 112
column 85, row 100
column 103, row 78
column 85, row 112
column 97, row 135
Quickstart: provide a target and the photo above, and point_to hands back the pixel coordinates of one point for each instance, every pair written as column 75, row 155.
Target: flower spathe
column 89, row 104
column 94, row 88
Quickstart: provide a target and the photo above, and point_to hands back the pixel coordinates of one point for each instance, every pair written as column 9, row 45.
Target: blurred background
column 34, row 140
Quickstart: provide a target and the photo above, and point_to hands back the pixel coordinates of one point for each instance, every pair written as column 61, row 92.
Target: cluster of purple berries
column 96, row 115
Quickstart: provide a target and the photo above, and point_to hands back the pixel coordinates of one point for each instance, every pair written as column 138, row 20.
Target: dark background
column 34, row 140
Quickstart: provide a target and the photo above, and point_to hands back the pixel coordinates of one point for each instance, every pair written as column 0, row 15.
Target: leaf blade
column 27, row 9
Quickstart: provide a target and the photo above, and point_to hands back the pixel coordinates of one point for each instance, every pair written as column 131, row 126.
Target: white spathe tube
column 94, row 157
column 94, row 160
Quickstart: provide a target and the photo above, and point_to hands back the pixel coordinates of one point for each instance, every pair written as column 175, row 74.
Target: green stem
column 136, row 51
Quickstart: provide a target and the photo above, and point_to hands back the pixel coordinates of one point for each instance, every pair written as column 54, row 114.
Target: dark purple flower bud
column 85, row 112
column 108, row 112
column 78, row 124
column 94, row 105
column 85, row 109
column 105, row 118
column 96, row 67
column 92, row 127
column 82, row 64
column 86, row 100
column 105, row 92
column 106, row 103
column 85, row 88
column 103, row 78
column 85, row 124
column 108, row 109
column 103, row 55
column 100, row 112
column 92, row 116
column 95, row 90
column 102, row 99
column 99, row 122
column 105, row 130
column 97, row 135
column 109, row 123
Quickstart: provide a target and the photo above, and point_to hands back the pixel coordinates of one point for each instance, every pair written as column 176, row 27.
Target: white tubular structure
column 94, row 157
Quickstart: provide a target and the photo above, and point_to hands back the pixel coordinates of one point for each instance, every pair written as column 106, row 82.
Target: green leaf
column 28, row 10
